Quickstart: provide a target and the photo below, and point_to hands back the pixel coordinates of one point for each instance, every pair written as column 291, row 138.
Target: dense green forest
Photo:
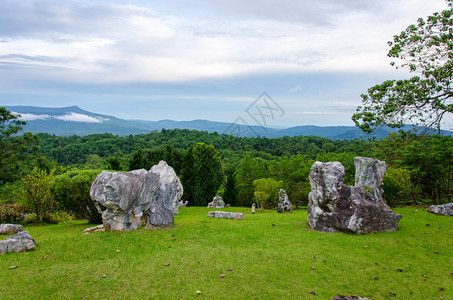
column 236, row 168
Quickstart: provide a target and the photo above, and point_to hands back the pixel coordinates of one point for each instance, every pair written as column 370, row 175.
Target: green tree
column 188, row 176
column 231, row 192
column 137, row 161
column 114, row 163
column 71, row 191
column 34, row 193
column 266, row 192
column 13, row 150
column 425, row 99
column 208, row 172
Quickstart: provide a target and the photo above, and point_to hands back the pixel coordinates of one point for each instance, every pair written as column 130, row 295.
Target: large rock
column 169, row 184
column 19, row 242
column 137, row 198
column 226, row 215
column 445, row 209
column 217, row 202
column 283, row 202
column 336, row 207
column 10, row 228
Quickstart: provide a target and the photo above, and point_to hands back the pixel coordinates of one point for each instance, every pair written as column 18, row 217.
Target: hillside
column 72, row 120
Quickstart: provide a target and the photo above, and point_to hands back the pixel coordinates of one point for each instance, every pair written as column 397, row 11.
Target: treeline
column 247, row 170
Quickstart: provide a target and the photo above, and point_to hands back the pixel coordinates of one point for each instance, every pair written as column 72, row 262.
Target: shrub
column 11, row 213
column 59, row 217
column 71, row 191
column 397, row 186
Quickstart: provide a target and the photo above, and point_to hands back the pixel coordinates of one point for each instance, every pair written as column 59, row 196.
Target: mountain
column 72, row 120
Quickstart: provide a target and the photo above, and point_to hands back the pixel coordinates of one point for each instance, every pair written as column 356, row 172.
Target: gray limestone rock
column 253, row 208
column 445, row 209
column 369, row 174
column 169, row 184
column 217, row 202
column 183, row 203
column 336, row 207
column 226, row 215
column 10, row 228
column 137, row 198
column 94, row 229
column 350, row 298
column 19, row 242
column 283, row 202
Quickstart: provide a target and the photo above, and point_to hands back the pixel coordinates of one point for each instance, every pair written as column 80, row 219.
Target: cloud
column 101, row 42
column 295, row 89
column 75, row 117
column 71, row 117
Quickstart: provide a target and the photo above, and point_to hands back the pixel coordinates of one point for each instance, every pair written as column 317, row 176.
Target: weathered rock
column 336, row 207
column 350, row 298
column 10, row 228
column 183, row 203
column 217, row 202
column 137, row 198
column 283, row 202
column 226, row 215
column 253, row 208
column 19, row 242
column 369, row 174
column 94, row 229
column 169, row 184
column 445, row 209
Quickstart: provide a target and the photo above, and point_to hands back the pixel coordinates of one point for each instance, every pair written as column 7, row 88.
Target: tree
column 266, row 192
column 425, row 99
column 12, row 149
column 71, row 191
column 34, row 193
column 231, row 192
column 137, row 161
column 114, row 163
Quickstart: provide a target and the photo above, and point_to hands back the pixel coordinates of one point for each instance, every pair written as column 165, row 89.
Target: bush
column 71, row 191
column 59, row 217
column 11, row 213
column 397, row 186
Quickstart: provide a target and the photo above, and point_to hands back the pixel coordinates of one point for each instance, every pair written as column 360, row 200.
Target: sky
column 278, row 63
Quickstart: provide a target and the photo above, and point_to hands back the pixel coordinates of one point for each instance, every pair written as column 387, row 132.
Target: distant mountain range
column 72, row 120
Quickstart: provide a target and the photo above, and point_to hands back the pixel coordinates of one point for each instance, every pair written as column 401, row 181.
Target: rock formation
column 445, row 209
column 226, row 215
column 253, row 208
column 183, row 203
column 169, row 184
column 19, row 242
column 10, row 228
column 217, row 202
column 283, row 202
column 336, row 207
column 137, row 198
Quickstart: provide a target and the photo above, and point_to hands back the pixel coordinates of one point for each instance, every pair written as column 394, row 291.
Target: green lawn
column 265, row 256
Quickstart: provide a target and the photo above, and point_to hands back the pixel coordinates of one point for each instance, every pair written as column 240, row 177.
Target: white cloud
column 32, row 117
column 295, row 89
column 75, row 117
column 97, row 42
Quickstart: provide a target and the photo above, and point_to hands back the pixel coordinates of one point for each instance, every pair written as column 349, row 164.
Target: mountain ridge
column 73, row 120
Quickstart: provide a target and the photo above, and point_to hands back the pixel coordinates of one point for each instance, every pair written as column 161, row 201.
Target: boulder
column 350, row 298
column 19, row 242
column 226, row 215
column 94, row 229
column 445, row 209
column 137, row 198
column 183, row 203
column 10, row 228
column 253, row 208
column 169, row 184
column 217, row 202
column 336, row 207
column 283, row 202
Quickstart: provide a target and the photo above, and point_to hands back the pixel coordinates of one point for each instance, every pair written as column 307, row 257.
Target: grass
column 265, row 256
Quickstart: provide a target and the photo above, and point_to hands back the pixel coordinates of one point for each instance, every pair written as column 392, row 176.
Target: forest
column 241, row 170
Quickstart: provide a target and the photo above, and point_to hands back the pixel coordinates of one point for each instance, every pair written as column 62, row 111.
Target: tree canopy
column 426, row 49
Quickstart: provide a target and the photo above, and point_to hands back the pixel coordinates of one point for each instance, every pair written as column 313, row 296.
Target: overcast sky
column 200, row 59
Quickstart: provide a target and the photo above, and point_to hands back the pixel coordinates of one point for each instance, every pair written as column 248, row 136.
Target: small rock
column 117, row 251
column 313, row 268
column 13, row 267
column 230, row 269
column 365, row 247
column 313, row 293
column 104, row 276
column 167, row 264
column 222, row 275
column 198, row 292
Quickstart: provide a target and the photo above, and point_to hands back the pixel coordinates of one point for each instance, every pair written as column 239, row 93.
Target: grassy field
column 265, row 256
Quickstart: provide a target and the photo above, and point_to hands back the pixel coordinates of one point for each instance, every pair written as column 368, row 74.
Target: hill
column 72, row 120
